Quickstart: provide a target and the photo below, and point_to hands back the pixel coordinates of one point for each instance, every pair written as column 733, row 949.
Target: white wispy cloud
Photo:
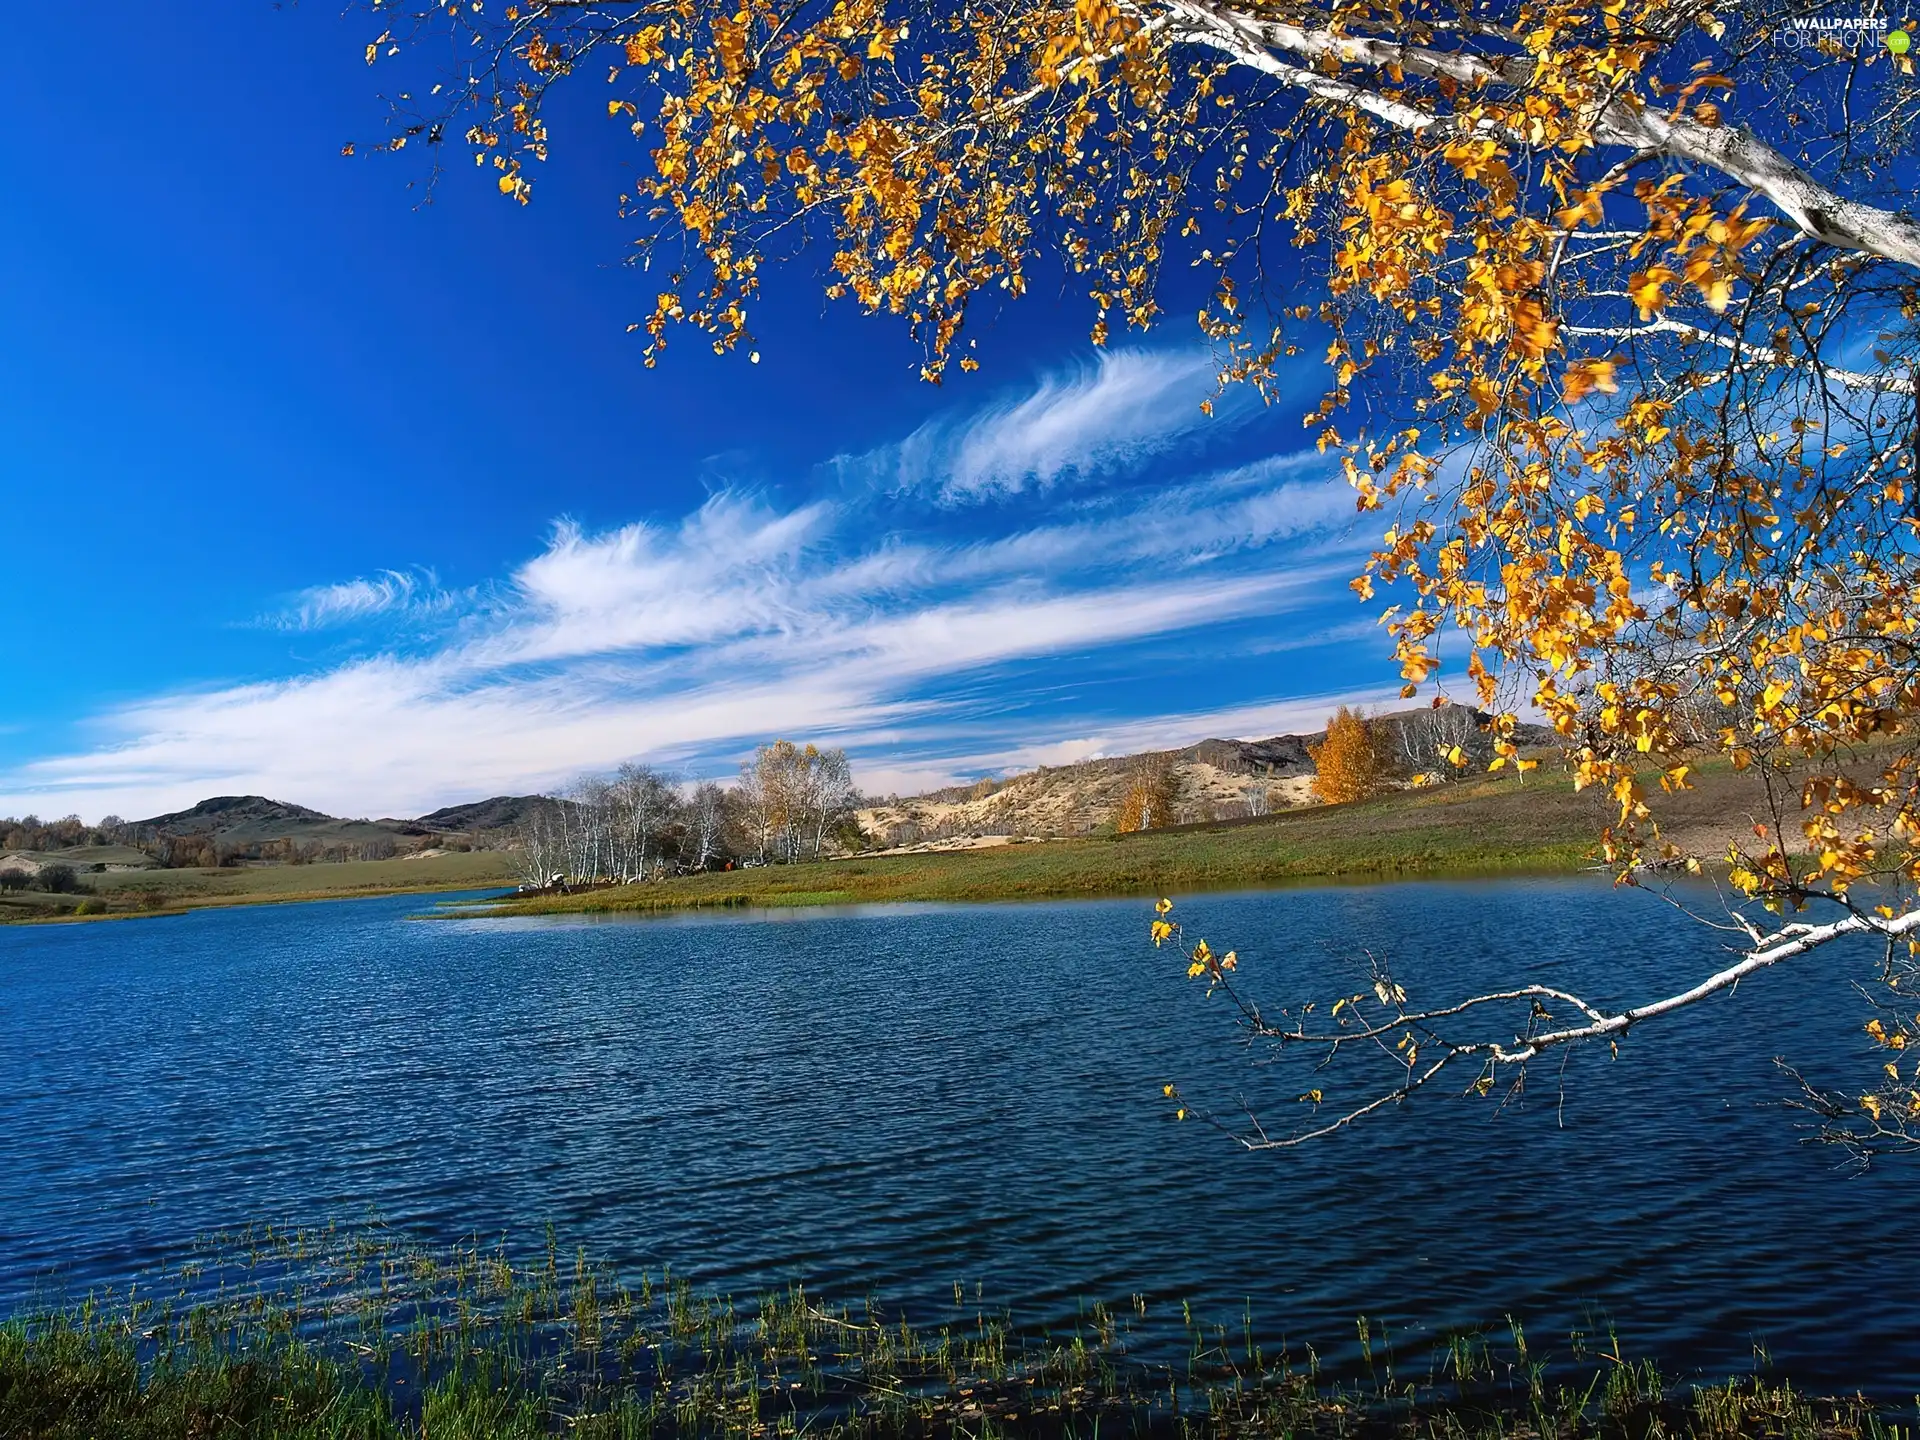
column 1107, row 416
column 736, row 565
column 1180, row 524
column 1367, row 631
column 688, row 640
column 348, row 602
column 402, row 735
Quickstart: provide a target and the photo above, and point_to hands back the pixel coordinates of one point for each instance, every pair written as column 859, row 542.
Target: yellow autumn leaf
column 1647, row 290
column 1583, row 377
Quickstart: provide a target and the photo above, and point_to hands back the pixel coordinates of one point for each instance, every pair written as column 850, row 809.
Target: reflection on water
column 890, row 1099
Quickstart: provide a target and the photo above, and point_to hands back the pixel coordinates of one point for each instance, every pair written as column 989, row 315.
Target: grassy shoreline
column 286, row 1335
column 1489, row 828
column 147, row 894
column 1485, row 828
column 1495, row 825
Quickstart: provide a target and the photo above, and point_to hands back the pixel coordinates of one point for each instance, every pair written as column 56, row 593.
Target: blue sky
column 314, row 492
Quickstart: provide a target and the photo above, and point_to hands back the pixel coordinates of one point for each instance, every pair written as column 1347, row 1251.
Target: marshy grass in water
column 292, row 1333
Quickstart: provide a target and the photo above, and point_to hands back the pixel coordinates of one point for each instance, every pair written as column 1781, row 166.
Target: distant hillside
column 247, row 819
column 229, row 828
column 227, row 813
column 502, row 812
column 1214, row 780
column 243, row 830
column 242, row 820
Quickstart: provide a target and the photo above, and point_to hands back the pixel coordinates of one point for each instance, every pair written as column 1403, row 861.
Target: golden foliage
column 1149, row 801
column 1353, row 762
column 1579, row 263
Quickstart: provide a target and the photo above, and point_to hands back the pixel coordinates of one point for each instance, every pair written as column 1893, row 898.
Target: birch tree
column 1446, row 740
column 794, row 796
column 831, row 793
column 599, row 828
column 642, row 801
column 1617, row 303
column 708, row 815
column 757, row 806
column 779, row 784
column 585, row 811
column 540, row 845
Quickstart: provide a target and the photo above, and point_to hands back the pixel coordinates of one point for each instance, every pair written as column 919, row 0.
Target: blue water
column 889, row 1100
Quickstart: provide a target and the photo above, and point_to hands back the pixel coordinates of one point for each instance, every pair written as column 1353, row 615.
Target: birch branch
column 1623, row 120
column 1882, row 381
column 1785, row 944
column 1420, row 1027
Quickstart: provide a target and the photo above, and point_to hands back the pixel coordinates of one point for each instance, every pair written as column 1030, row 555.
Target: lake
column 891, row 1100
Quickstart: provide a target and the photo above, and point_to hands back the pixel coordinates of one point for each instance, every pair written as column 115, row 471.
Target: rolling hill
column 1214, row 780
column 502, row 812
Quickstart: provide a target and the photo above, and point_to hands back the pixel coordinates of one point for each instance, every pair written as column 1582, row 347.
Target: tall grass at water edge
column 291, row 1333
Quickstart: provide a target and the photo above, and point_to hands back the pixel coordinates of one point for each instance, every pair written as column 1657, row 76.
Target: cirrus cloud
column 859, row 615
column 1108, row 416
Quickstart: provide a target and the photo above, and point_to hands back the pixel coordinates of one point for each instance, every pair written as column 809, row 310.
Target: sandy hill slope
column 83, row 858
column 1214, row 780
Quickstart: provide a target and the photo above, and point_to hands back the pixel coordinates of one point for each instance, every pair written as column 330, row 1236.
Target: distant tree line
column 791, row 802
column 187, row 851
column 205, row 851
column 30, row 832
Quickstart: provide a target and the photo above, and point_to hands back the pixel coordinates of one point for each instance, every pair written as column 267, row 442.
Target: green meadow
column 1490, row 827
column 1496, row 825
column 129, row 893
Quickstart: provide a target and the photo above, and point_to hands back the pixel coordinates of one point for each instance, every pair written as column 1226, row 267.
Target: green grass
column 129, row 893
column 296, row 1336
column 1489, row 827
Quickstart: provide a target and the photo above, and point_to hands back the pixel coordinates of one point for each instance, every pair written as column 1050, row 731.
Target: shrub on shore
column 57, row 879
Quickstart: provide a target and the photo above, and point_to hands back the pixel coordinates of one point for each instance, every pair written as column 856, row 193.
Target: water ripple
column 896, row 1099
